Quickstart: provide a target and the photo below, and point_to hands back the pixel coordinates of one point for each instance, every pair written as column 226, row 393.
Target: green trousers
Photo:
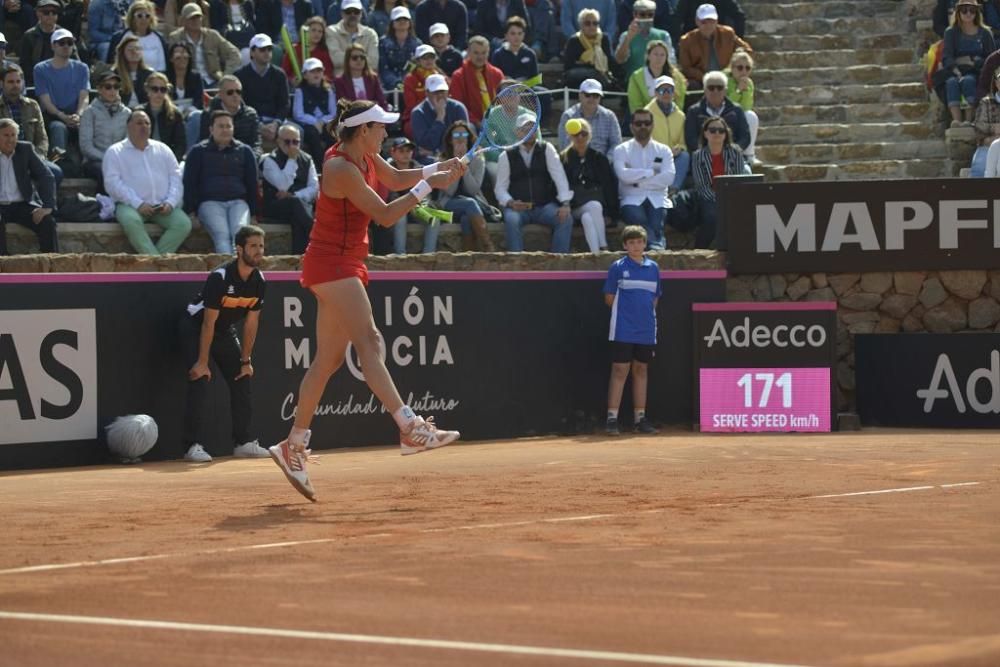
column 176, row 227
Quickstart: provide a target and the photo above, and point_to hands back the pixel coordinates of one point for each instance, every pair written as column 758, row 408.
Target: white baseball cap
column 399, row 13
column 61, row 33
column 260, row 41
column 525, row 119
column 436, row 83
column 591, row 86
column 3, row 39
column 439, row 29
column 312, row 63
column 423, row 50
column 374, row 114
column 707, row 12
column 663, row 81
column 351, row 4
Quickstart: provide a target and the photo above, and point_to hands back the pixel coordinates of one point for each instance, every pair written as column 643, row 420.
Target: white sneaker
column 292, row 462
column 197, row 454
column 423, row 434
column 250, row 450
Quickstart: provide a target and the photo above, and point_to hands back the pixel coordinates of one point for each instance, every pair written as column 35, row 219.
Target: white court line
column 511, row 649
column 446, row 529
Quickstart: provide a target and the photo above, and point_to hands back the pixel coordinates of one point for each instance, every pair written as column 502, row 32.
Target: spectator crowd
column 219, row 112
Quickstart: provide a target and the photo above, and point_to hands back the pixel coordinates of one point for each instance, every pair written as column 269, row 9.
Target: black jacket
column 171, row 132
column 489, row 25
column 590, row 174
column 246, row 124
column 267, row 94
column 34, row 180
column 194, row 88
column 269, row 19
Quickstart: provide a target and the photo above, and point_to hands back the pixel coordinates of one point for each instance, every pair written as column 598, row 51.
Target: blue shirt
column 63, row 86
column 635, row 286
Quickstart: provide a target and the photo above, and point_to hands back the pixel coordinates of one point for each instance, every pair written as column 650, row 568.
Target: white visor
column 376, row 114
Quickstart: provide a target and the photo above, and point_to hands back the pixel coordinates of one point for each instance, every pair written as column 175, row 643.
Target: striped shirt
column 633, row 312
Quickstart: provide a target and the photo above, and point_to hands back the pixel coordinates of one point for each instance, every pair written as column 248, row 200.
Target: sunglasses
column 582, row 133
column 291, row 142
column 354, row 12
column 233, row 91
column 742, row 67
column 715, row 87
column 716, row 130
column 141, row 15
column 643, row 15
column 665, row 90
column 65, row 42
column 157, row 89
column 48, row 12
column 591, row 96
column 111, row 86
column 642, row 123
column 589, row 24
column 459, row 135
column 966, row 9
column 358, row 56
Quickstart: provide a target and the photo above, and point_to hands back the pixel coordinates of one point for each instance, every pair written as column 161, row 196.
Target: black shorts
column 625, row 353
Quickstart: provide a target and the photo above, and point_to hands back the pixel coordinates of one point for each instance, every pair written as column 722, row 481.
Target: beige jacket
column 338, row 40
column 31, row 122
column 221, row 57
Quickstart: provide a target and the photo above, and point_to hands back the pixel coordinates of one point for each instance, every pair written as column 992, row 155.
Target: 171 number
column 784, row 382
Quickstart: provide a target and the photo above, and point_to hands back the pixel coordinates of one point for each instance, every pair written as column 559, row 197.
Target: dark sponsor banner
column 856, row 226
column 928, row 380
column 495, row 355
column 764, row 366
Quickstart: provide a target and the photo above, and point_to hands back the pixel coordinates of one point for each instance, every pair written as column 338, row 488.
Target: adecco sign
column 860, row 226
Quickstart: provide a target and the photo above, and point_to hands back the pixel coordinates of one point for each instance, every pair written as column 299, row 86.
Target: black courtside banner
column 764, row 366
column 928, row 380
column 858, row 226
column 495, row 355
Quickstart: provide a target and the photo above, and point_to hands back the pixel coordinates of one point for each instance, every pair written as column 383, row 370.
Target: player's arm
column 401, row 179
column 250, row 325
column 609, row 300
column 341, row 179
column 200, row 368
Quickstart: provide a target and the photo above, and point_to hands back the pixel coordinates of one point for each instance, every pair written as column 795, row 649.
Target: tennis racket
column 500, row 122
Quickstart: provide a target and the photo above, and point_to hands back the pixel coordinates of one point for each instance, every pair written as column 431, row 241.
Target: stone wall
column 912, row 301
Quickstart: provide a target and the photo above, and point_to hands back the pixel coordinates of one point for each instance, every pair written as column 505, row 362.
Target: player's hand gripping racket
column 511, row 120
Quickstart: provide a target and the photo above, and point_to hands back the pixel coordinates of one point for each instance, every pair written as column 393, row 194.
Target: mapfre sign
column 857, row 226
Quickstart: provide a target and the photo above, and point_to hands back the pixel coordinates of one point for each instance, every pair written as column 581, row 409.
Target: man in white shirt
column 144, row 179
column 645, row 169
column 531, row 187
column 290, row 186
column 350, row 31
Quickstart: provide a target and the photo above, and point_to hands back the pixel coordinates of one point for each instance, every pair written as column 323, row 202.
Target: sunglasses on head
column 642, row 123
column 291, row 142
column 715, row 86
column 65, row 42
column 715, row 129
column 156, row 89
column 233, row 91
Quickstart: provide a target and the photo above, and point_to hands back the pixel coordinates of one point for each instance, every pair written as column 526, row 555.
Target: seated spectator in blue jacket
column 28, row 189
column 396, row 49
column 103, row 20
column 449, row 58
column 434, row 115
column 492, row 17
column 715, row 103
column 452, row 13
column 265, row 86
column 62, row 86
column 220, row 183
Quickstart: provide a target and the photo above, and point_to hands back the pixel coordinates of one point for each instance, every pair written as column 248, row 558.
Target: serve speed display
column 764, row 366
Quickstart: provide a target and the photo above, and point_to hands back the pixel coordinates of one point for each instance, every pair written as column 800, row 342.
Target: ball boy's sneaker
column 422, row 435
column 611, row 427
column 292, row 461
column 643, row 426
column 250, row 450
column 197, row 454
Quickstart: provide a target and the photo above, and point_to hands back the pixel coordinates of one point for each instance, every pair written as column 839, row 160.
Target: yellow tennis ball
column 573, row 125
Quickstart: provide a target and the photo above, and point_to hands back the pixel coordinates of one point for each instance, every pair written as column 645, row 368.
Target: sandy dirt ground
column 877, row 548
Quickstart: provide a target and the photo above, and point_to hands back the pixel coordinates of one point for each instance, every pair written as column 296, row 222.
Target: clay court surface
column 677, row 549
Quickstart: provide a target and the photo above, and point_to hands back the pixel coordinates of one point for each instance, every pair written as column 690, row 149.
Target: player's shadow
column 291, row 513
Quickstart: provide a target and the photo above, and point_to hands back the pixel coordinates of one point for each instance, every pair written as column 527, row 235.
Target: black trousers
column 20, row 212
column 225, row 352
column 297, row 214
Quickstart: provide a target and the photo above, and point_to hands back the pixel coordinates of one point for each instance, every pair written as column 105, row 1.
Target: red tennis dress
column 338, row 243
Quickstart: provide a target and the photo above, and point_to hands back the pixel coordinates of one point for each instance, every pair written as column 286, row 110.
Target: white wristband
column 421, row 190
column 428, row 170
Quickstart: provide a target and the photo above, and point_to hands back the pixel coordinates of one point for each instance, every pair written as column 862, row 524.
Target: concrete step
column 841, row 113
column 842, row 133
column 828, row 10
column 785, row 154
column 848, row 57
column 856, row 171
column 912, row 91
column 835, row 76
column 853, row 25
column 765, row 42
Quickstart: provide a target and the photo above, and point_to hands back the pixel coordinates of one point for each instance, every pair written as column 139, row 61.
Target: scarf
column 593, row 54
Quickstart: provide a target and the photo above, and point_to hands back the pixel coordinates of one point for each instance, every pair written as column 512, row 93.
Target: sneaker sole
column 406, row 450
column 291, row 479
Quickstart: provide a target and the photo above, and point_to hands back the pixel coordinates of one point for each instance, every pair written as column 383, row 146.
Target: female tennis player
column 333, row 268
